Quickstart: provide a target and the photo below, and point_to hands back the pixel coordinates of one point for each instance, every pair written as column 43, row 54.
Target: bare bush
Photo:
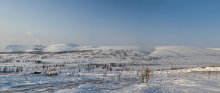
column 145, row 75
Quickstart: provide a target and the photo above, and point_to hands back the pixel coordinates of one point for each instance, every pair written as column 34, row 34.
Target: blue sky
column 111, row 22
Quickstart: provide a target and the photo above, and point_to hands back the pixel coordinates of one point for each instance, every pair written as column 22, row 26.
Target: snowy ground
column 173, row 69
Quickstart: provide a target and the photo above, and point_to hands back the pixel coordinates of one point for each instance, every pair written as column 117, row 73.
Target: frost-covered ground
column 168, row 69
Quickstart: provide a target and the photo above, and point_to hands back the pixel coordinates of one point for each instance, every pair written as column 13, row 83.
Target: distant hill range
column 62, row 48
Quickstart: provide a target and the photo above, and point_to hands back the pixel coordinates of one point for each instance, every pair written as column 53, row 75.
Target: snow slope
column 185, row 54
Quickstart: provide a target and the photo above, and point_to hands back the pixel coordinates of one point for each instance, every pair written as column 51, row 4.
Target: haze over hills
column 67, row 47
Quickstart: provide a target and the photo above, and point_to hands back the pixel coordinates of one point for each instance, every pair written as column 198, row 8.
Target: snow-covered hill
column 103, row 54
column 218, row 49
column 178, row 51
column 161, row 54
column 66, row 47
column 15, row 48
column 70, row 47
column 185, row 54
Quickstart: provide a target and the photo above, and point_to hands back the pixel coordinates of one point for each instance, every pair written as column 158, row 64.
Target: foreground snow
column 182, row 81
column 173, row 69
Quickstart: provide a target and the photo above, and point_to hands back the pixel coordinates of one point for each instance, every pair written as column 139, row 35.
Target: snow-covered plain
column 112, row 69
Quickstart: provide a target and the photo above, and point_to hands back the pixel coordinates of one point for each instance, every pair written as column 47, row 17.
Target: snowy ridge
column 177, row 51
column 69, row 47
column 60, row 47
column 118, row 47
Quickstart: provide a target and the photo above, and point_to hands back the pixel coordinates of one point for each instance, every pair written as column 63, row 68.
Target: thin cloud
column 30, row 34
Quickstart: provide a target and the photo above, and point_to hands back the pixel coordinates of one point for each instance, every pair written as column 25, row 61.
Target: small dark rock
column 36, row 73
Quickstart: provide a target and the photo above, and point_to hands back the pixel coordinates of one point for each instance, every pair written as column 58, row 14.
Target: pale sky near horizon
column 110, row 22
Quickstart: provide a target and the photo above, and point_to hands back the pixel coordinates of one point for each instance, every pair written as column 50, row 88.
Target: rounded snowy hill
column 185, row 54
column 15, row 48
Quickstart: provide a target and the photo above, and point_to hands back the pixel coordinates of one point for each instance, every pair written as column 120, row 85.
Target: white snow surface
column 173, row 72
column 185, row 54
